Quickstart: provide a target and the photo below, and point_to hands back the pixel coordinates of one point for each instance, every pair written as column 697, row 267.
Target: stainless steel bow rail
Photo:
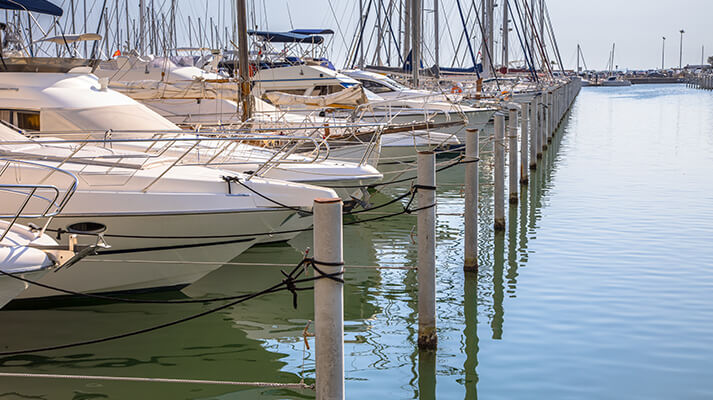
column 178, row 147
column 27, row 194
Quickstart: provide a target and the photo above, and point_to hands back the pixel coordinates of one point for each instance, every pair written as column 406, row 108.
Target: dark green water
column 601, row 287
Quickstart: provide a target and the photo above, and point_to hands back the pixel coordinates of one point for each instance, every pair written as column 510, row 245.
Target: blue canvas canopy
column 286, row 37
column 313, row 31
column 40, row 6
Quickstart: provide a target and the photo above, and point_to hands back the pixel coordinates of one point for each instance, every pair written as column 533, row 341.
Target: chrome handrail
column 55, row 205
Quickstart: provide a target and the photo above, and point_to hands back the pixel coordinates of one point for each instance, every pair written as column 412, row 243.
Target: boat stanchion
column 471, row 201
column 426, row 181
column 512, row 156
column 499, row 173
column 328, row 300
column 524, row 133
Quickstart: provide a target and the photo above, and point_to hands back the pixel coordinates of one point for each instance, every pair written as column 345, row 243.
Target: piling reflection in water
column 470, row 333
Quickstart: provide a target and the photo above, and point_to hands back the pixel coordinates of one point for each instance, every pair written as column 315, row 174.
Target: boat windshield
column 125, row 117
column 393, row 83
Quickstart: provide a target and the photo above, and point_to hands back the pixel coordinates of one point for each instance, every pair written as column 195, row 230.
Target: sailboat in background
column 613, row 79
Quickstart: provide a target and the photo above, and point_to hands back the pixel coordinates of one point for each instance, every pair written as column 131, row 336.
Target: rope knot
column 289, row 283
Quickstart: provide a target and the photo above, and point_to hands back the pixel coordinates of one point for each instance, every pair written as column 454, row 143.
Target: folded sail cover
column 347, row 98
column 39, row 6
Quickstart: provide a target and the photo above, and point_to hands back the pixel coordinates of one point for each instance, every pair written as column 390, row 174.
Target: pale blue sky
column 635, row 25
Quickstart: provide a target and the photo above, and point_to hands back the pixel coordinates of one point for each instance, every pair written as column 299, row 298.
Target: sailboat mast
column 436, row 38
column 71, row 7
column 416, row 40
column 487, row 14
column 128, row 27
column 578, row 51
column 142, row 26
column 613, row 47
column 86, row 48
column 542, row 36
column 407, row 28
column 506, row 31
column 243, row 61
column 361, row 29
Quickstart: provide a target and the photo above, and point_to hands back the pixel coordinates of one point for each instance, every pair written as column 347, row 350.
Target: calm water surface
column 601, row 287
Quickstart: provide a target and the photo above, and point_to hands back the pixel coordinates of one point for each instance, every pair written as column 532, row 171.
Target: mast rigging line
column 487, row 49
column 525, row 48
column 553, row 38
column 536, row 36
column 467, row 35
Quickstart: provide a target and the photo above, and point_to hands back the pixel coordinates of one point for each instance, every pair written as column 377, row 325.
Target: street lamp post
column 680, row 54
column 663, row 48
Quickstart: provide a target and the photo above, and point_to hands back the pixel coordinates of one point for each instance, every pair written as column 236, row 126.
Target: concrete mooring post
column 524, row 132
column 547, row 119
column 328, row 300
column 426, row 181
column 512, row 155
column 499, row 151
column 471, row 201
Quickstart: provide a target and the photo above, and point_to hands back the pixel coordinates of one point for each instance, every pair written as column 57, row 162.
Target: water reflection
column 470, row 313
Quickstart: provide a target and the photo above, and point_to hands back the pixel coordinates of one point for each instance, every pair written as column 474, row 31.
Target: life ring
column 456, row 90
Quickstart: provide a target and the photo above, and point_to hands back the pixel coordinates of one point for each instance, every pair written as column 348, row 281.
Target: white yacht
column 81, row 103
column 311, row 80
column 615, row 81
column 168, row 225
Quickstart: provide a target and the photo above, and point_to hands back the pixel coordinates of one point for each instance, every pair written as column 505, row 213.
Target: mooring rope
column 287, row 284
column 300, row 385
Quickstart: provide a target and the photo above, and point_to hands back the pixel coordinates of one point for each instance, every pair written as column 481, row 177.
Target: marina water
column 600, row 287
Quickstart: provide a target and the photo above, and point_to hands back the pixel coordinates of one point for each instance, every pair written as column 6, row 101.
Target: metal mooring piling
column 328, row 300
column 512, row 155
column 499, row 151
column 426, row 184
column 471, row 201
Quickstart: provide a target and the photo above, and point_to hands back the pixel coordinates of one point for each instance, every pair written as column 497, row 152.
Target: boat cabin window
column 298, row 92
column 24, row 119
column 326, row 90
column 375, row 87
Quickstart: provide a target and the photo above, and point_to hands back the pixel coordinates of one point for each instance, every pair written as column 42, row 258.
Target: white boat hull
column 11, row 288
column 125, row 267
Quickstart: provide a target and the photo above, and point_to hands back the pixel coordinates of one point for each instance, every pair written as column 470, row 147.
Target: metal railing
column 54, row 198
